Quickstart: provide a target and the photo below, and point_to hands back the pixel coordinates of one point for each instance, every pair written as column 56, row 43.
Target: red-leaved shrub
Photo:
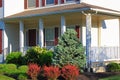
column 51, row 72
column 70, row 72
column 33, row 70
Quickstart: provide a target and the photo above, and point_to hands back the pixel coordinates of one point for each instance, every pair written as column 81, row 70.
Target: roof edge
column 49, row 13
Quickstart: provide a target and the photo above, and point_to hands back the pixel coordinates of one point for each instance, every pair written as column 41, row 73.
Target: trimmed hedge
column 13, row 71
column 15, row 58
column 23, row 69
column 113, row 67
column 3, row 77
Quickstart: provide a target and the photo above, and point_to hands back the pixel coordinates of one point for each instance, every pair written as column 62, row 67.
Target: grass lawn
column 117, row 77
column 3, row 77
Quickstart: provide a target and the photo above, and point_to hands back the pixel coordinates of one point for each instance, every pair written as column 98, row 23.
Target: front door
column 32, row 37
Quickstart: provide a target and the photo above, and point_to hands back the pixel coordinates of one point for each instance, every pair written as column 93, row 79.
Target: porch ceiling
column 49, row 20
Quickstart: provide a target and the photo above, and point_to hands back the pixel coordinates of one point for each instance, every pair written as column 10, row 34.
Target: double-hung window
column 49, row 36
column 71, row 0
column 31, row 3
column 49, row 2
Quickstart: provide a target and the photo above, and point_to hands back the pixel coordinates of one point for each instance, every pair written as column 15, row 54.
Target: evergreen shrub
column 69, row 50
column 113, row 67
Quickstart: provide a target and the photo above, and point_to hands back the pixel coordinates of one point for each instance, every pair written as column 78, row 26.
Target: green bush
column 46, row 58
column 1, row 68
column 10, row 69
column 69, row 50
column 15, row 58
column 23, row 69
column 22, row 77
column 39, row 55
column 3, row 77
column 113, row 67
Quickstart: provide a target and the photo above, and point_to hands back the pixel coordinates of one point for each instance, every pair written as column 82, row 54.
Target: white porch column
column 41, row 35
column 119, row 40
column 63, row 26
column 21, row 36
column 88, row 38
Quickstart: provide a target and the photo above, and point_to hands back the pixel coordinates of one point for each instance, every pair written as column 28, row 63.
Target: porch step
column 99, row 69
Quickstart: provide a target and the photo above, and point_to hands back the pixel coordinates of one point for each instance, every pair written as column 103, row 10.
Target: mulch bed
column 96, row 76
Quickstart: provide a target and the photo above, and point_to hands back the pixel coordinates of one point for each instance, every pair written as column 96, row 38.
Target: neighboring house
column 27, row 23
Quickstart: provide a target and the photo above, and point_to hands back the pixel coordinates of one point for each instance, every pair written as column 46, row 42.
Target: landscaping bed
column 97, row 76
column 83, row 76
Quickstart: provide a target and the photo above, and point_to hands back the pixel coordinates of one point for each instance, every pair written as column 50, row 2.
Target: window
column 71, row 0
column 31, row 3
column 49, row 1
column 49, row 36
column 49, row 33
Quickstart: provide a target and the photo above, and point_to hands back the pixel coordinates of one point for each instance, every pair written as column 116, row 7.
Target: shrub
column 51, row 72
column 46, row 58
column 10, row 69
column 70, row 72
column 23, row 69
column 3, row 77
column 69, row 50
column 39, row 55
column 113, row 67
column 1, row 68
column 14, row 57
column 22, row 77
column 33, row 70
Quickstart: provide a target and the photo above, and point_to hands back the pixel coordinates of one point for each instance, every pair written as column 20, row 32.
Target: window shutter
column 0, row 41
column 56, row 36
column 0, row 3
column 44, row 37
column 62, row 1
column 56, row 2
column 43, row 2
column 77, row 28
column 37, row 3
column 25, row 4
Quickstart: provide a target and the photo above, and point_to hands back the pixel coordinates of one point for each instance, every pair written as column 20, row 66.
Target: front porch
column 43, row 31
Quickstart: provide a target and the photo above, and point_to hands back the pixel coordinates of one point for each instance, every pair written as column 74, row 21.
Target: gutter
column 106, row 12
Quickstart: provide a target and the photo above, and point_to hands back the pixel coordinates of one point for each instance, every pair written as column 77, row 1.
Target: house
column 28, row 23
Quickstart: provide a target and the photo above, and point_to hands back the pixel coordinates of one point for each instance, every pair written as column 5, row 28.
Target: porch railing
column 100, row 54
column 97, row 54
